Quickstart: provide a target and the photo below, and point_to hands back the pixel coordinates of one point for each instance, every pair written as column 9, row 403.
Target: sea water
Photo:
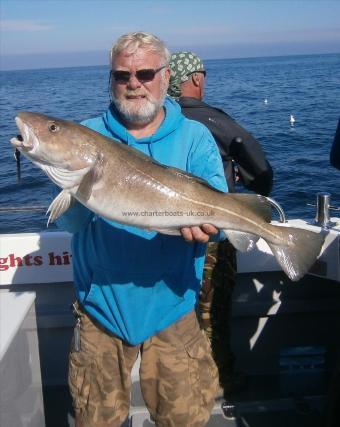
column 260, row 93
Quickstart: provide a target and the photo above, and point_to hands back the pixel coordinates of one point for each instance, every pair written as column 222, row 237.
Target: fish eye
column 53, row 127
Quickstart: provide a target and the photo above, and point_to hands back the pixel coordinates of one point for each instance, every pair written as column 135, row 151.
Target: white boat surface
column 284, row 335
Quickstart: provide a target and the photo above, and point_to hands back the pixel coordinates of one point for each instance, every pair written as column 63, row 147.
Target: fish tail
column 299, row 252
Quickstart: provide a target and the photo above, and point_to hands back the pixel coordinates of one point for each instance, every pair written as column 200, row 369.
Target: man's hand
column 198, row 234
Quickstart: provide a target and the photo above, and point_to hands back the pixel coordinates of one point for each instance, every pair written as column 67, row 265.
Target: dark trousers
column 215, row 306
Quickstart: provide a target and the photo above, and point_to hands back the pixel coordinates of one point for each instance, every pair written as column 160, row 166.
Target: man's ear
column 196, row 79
column 167, row 73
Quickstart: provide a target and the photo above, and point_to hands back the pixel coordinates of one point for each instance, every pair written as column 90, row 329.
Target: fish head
column 54, row 142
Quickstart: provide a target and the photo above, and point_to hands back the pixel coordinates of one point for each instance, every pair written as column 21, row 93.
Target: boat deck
column 284, row 335
column 256, row 406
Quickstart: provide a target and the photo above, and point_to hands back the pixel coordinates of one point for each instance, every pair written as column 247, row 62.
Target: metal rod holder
column 322, row 209
column 323, row 206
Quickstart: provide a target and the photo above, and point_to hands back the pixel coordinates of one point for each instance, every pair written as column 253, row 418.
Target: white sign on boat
column 35, row 258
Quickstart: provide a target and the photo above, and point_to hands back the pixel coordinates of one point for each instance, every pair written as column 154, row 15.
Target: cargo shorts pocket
column 79, row 379
column 202, row 371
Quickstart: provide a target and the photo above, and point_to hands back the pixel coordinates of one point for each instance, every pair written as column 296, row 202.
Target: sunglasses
column 143, row 76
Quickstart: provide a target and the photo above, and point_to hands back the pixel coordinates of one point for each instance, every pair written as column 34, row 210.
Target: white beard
column 143, row 110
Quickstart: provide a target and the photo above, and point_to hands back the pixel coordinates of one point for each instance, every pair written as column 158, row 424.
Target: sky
column 60, row 33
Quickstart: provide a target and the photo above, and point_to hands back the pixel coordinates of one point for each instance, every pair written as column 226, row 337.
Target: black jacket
column 234, row 143
column 335, row 150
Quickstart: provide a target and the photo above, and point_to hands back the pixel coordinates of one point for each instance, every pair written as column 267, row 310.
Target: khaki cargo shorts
column 178, row 376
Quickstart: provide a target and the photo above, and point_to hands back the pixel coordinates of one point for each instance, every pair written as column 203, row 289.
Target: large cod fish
column 122, row 184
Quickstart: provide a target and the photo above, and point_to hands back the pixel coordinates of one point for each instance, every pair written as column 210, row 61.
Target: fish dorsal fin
column 256, row 203
column 171, row 169
column 191, row 177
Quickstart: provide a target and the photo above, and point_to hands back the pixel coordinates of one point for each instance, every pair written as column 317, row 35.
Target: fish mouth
column 26, row 141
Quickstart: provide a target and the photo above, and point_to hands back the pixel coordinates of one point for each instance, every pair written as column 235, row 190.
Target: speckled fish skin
column 122, row 184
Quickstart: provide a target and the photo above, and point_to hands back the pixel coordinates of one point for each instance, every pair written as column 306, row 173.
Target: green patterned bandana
column 182, row 65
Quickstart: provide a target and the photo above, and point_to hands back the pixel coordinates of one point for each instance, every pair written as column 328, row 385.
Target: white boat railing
column 46, row 257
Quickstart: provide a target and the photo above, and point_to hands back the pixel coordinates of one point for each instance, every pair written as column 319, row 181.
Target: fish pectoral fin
column 85, row 187
column 58, row 206
column 244, row 242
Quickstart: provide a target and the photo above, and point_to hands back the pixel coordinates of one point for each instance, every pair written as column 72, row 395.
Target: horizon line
column 102, row 65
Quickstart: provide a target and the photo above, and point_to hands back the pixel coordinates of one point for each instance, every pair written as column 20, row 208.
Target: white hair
column 139, row 40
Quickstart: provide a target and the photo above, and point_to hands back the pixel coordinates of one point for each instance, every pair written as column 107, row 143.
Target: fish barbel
column 122, row 184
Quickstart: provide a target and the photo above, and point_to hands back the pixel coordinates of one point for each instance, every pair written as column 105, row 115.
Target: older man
column 136, row 290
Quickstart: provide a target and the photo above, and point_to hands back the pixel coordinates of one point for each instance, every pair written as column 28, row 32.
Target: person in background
column 137, row 290
column 333, row 397
column 335, row 150
column 243, row 161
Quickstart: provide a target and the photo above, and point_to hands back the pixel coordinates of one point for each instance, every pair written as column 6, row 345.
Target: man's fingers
column 199, row 234
column 209, row 229
column 187, row 234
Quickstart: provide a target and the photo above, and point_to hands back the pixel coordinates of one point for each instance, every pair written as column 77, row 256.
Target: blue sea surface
column 305, row 86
